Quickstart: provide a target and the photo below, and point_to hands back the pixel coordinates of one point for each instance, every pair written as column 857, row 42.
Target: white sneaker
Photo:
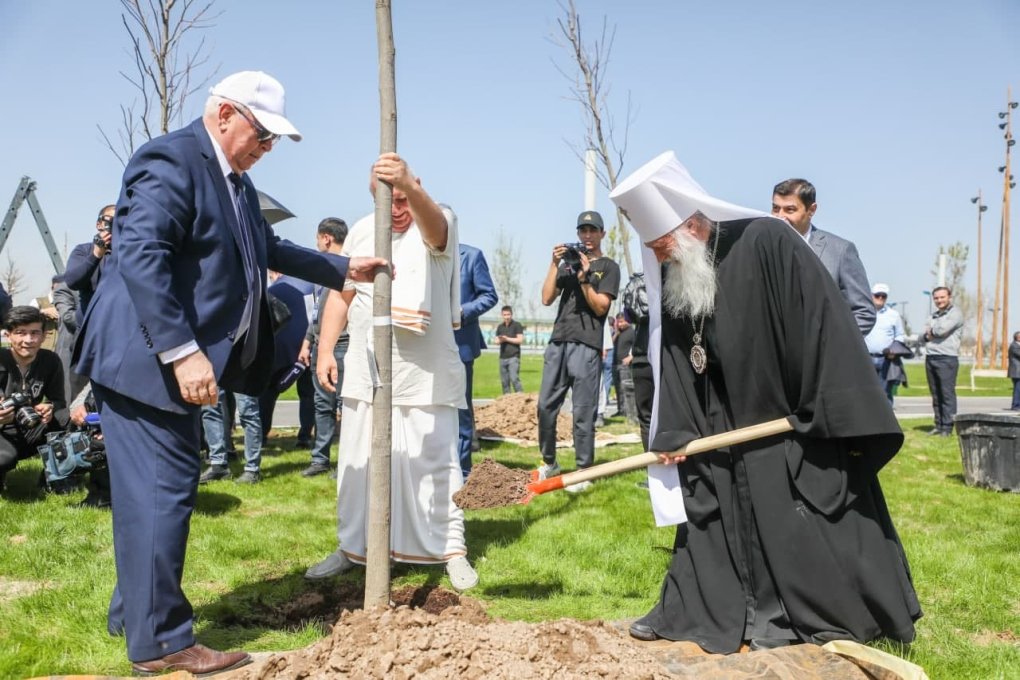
column 462, row 574
column 547, row 471
column 578, row 488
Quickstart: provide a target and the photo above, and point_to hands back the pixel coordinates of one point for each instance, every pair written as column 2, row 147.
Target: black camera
column 24, row 415
column 572, row 257
column 67, row 454
column 105, row 228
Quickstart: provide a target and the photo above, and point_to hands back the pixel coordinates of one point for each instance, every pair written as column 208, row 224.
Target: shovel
column 642, row 460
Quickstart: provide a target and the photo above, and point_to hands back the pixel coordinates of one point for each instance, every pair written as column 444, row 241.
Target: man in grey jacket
column 941, row 363
column 793, row 200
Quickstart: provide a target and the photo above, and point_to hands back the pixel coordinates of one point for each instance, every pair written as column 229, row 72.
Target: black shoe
column 214, row 472
column 934, row 431
column 249, row 477
column 315, row 469
column 95, row 501
column 946, row 433
column 304, row 444
column 644, row 632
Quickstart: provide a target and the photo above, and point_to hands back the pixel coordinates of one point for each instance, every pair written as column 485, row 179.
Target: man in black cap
column 588, row 282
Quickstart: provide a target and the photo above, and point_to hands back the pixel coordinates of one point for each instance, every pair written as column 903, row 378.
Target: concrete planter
column 990, row 450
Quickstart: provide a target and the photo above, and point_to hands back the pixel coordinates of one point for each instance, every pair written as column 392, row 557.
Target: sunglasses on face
column 261, row 134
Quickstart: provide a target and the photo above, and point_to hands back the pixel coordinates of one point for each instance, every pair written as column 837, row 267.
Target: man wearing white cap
column 886, row 342
column 181, row 307
column 787, row 539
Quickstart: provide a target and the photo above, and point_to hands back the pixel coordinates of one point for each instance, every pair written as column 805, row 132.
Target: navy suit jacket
column 477, row 296
column 176, row 275
column 291, row 292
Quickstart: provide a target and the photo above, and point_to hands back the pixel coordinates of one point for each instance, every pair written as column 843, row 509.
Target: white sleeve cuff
column 179, row 352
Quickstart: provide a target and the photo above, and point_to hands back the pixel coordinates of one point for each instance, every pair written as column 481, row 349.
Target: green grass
column 487, row 379
column 594, row 555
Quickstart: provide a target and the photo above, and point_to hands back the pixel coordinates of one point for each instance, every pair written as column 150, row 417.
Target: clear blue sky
column 889, row 108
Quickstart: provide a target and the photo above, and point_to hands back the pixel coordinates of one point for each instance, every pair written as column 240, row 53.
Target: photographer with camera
column 586, row 283
column 32, row 381
column 84, row 266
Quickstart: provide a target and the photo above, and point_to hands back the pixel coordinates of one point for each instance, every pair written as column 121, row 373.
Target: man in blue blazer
column 477, row 296
column 181, row 306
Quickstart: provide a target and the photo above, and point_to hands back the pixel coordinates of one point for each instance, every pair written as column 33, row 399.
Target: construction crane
column 26, row 192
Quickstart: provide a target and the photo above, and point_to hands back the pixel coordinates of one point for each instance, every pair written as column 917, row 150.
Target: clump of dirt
column 515, row 416
column 326, row 601
column 404, row 643
column 491, row 485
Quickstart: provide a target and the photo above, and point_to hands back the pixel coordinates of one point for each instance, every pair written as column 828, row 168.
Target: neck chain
column 698, row 356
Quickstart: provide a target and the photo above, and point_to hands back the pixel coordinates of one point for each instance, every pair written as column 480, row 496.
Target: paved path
column 906, row 407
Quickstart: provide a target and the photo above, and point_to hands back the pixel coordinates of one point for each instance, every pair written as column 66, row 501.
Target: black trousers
column 941, row 371
column 644, row 390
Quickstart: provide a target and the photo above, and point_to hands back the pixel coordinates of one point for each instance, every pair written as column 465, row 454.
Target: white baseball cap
column 880, row 288
column 661, row 194
column 261, row 94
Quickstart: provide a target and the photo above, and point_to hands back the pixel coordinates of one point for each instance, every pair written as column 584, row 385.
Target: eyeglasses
column 261, row 134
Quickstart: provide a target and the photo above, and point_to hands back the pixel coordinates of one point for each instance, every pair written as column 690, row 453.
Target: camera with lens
column 572, row 257
column 24, row 415
column 106, row 222
column 67, row 454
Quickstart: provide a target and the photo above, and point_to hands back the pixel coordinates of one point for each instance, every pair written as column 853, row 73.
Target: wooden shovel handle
column 642, row 460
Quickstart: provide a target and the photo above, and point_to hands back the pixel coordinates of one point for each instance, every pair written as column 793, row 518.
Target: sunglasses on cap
column 261, row 133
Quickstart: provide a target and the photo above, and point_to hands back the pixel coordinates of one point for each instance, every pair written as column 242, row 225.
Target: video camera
column 66, row 454
column 25, row 416
column 572, row 257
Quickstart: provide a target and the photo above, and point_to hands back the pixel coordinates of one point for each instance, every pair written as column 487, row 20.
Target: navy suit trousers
column 466, row 416
column 154, row 469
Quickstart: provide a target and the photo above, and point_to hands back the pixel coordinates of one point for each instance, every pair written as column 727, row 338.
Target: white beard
column 690, row 283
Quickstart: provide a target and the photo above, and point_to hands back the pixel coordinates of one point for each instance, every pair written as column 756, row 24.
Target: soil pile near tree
column 492, row 485
column 515, row 416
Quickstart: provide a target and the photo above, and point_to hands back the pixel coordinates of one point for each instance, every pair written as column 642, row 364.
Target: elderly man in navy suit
column 477, row 296
column 181, row 307
column 793, row 200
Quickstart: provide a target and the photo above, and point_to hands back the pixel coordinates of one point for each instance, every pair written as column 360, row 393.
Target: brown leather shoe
column 197, row 659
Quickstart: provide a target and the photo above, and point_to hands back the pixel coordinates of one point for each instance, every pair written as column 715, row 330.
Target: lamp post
column 979, row 350
column 1008, row 184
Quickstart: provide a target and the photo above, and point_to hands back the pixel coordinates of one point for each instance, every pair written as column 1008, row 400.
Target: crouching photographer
column 32, row 383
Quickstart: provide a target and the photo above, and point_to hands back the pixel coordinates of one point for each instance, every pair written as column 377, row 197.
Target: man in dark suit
column 793, row 200
column 85, row 264
column 477, row 296
column 181, row 307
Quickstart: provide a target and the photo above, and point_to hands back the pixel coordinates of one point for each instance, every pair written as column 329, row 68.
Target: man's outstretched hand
column 363, row 269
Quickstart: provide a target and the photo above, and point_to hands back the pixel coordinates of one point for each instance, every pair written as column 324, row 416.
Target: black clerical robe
column 787, row 537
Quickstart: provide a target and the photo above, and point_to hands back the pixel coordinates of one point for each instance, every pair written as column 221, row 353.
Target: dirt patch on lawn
column 492, row 485
column 327, row 601
column 11, row 589
column 515, row 416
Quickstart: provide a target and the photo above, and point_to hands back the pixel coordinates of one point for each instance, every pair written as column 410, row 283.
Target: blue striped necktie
column 251, row 272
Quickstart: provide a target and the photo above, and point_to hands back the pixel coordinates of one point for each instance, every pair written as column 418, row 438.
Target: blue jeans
column 213, row 423
column 326, row 405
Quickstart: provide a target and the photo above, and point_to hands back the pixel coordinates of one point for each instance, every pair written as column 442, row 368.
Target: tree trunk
column 377, row 575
